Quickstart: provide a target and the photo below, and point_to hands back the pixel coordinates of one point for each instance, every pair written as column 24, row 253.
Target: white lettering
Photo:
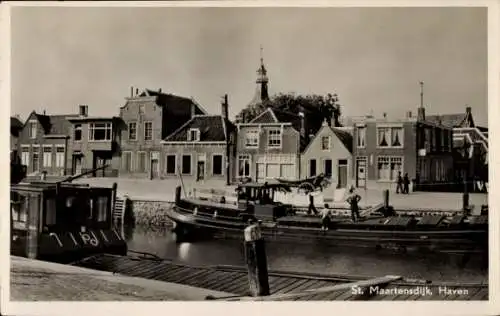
column 57, row 238
column 104, row 236
column 73, row 238
column 356, row 290
column 443, row 290
column 89, row 240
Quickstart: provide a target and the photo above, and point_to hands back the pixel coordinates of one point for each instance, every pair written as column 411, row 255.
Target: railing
column 465, row 130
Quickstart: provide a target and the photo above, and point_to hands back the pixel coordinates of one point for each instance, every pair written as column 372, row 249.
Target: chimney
column 421, row 114
column 44, row 112
column 224, row 108
column 131, row 91
column 468, row 110
column 159, row 90
column 302, row 122
column 136, row 91
column 193, row 109
column 243, row 117
column 83, row 110
column 408, row 114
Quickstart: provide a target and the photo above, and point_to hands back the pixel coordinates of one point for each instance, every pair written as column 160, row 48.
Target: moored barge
column 196, row 218
column 63, row 221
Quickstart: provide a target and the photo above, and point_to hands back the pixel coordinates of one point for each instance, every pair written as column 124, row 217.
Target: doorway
column 342, row 173
column 200, row 173
column 328, row 168
column 155, row 165
column 76, row 164
column 361, row 173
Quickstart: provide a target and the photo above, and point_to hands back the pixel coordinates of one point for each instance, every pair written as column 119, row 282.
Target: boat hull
column 189, row 227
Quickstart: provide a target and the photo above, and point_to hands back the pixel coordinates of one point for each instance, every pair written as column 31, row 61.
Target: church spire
column 262, row 79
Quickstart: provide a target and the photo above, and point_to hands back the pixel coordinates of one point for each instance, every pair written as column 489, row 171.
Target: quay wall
column 149, row 213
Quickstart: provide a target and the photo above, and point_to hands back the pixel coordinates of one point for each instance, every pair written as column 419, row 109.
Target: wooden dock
column 284, row 285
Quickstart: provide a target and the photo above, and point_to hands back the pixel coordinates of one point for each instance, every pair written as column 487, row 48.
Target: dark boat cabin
column 48, row 218
column 258, row 198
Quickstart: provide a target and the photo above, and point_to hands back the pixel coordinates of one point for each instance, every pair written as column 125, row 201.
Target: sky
column 373, row 58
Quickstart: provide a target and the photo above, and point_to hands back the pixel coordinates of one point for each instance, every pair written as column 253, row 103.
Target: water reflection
column 310, row 258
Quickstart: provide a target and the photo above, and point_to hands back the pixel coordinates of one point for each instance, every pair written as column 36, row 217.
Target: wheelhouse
column 259, row 193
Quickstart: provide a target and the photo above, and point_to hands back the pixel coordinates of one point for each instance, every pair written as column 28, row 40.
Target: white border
column 391, row 308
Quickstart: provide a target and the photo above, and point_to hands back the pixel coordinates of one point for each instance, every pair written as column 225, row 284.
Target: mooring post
column 177, row 194
column 256, row 260
column 386, row 199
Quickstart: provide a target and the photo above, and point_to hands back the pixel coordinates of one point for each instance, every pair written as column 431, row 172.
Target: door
column 361, row 173
column 77, row 164
column 261, row 172
column 200, row 173
column 328, row 168
column 342, row 174
column 155, row 165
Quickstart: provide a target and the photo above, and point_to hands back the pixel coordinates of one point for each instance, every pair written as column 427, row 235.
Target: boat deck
column 296, row 286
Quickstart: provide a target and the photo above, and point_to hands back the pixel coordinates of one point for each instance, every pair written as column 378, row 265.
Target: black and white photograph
column 210, row 152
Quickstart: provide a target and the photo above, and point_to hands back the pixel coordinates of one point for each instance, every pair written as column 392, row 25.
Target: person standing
column 325, row 218
column 406, row 184
column 399, row 187
column 312, row 208
column 353, row 200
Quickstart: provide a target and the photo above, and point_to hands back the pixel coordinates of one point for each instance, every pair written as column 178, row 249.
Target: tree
column 318, row 108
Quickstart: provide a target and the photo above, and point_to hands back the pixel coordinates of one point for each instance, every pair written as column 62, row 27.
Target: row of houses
column 160, row 136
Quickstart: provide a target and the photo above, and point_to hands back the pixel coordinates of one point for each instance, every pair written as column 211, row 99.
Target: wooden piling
column 177, row 194
column 386, row 199
column 256, row 260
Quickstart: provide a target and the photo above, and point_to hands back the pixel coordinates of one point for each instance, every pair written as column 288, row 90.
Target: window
column 60, row 151
column 186, row 164
column 102, row 208
column 389, row 167
column 325, row 142
column 19, row 209
column 100, row 131
column 36, row 159
column 32, row 129
column 47, row 156
column 428, row 139
column 132, row 131
column 274, row 138
column 389, row 137
column 252, row 139
column 193, row 135
column 433, row 139
column 328, row 167
column 171, row 167
column 127, row 161
column 50, row 211
column 148, row 130
column 361, row 137
column 78, row 132
column 25, row 155
column 141, row 161
column 217, row 165
column 312, row 167
column 244, row 165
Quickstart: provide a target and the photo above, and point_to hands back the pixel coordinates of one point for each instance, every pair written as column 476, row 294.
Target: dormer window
column 193, row 135
column 32, row 128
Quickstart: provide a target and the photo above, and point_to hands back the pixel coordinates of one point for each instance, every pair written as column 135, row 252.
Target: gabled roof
column 344, row 136
column 452, row 120
column 173, row 102
column 16, row 123
column 54, row 124
column 211, row 129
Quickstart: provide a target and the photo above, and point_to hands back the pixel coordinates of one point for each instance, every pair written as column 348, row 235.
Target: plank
column 338, row 287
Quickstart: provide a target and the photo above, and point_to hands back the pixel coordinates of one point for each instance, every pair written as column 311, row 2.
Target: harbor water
column 312, row 258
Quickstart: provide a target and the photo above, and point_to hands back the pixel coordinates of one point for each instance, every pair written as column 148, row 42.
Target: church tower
column 261, row 95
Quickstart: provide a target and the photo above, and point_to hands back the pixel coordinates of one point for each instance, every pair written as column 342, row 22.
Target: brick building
column 148, row 118
column 329, row 152
column 201, row 149
column 94, row 142
column 412, row 145
column 470, row 148
column 43, row 144
column 16, row 127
